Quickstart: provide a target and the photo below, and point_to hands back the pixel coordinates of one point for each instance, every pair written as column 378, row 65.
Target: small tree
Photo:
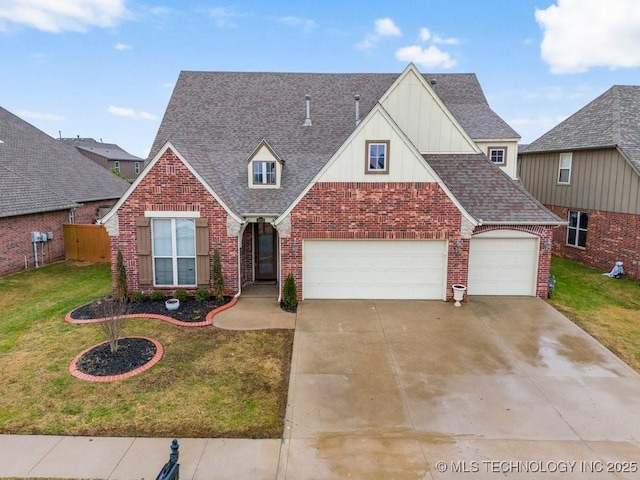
column 290, row 294
column 218, row 280
column 122, row 289
column 112, row 311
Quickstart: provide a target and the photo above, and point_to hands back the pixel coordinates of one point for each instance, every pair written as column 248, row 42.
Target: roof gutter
column 562, row 222
column 568, row 149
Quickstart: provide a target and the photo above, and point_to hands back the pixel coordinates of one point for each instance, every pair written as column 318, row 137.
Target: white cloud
column 445, row 41
column 123, row 46
column 223, row 17
column 383, row 27
column 62, row 15
column 428, row 57
column 130, row 113
column 425, row 34
column 305, row 24
column 49, row 117
column 582, row 34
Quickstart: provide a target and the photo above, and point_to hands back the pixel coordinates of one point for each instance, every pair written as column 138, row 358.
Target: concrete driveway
column 501, row 387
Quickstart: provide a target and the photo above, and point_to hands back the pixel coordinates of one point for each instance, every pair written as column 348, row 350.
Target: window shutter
column 203, row 267
column 145, row 270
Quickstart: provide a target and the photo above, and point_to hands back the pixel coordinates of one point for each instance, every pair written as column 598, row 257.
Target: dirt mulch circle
column 190, row 311
column 134, row 355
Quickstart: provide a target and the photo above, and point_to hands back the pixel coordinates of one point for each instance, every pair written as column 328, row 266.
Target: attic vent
column 433, row 81
column 357, row 98
column 307, row 121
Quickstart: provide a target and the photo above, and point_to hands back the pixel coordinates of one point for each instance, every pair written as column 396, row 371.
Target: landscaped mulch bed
column 189, row 311
column 131, row 354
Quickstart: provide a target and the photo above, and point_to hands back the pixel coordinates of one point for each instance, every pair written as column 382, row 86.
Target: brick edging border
column 73, row 369
column 154, row 316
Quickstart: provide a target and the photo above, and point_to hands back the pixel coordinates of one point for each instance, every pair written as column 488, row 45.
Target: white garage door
column 503, row 263
column 383, row 269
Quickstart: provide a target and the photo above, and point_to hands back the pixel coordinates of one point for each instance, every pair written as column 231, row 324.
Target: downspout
column 279, row 269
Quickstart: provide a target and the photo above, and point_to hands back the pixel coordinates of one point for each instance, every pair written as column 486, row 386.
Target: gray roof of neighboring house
column 110, row 151
column 486, row 192
column 611, row 120
column 216, row 119
column 39, row 173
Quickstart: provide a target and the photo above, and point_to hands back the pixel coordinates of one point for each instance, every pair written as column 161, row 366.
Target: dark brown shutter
column 145, row 270
column 203, row 268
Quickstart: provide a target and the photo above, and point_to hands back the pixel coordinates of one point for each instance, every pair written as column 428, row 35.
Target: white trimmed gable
column 264, row 155
column 422, row 116
column 349, row 163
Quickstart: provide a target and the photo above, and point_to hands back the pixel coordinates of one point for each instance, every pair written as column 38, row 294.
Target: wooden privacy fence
column 87, row 243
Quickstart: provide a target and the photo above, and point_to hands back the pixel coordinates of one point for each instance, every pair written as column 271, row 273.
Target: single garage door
column 503, row 262
column 368, row 269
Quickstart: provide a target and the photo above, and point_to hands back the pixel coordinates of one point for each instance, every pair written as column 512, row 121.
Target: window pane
column 162, row 237
column 185, row 237
column 257, row 172
column 573, row 219
column 571, row 236
column 377, row 154
column 271, row 172
column 163, row 271
column 582, row 238
column 584, row 220
column 564, row 176
column 186, row 271
column 565, row 161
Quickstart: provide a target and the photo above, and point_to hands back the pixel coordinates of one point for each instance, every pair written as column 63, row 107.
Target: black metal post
column 171, row 469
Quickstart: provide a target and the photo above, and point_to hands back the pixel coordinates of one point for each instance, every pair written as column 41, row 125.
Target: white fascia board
column 168, row 145
column 378, row 108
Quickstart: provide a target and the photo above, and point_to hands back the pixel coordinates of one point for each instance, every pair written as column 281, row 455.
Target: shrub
column 202, row 295
column 137, row 297
column 122, row 290
column 290, row 294
column 157, row 295
column 181, row 294
column 113, row 312
column 218, row 280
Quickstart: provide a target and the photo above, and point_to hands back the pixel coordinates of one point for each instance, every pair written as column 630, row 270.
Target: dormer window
column 264, row 173
column 264, row 167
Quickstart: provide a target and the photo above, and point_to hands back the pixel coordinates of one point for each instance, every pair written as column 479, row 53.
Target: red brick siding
column 611, row 237
column 374, row 211
column 16, row 236
column 170, row 186
column 544, row 256
column 247, row 254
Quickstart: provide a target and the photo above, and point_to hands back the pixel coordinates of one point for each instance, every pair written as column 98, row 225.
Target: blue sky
column 106, row 68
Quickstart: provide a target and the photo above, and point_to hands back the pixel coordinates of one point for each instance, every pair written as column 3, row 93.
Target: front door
column 265, row 251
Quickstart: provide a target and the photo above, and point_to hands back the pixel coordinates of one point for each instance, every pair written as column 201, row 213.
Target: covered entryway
column 265, row 252
column 503, row 262
column 374, row 269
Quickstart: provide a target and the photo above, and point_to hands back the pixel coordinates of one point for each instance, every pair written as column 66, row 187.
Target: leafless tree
column 112, row 311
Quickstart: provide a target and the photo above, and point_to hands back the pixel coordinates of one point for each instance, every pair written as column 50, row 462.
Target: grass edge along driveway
column 606, row 308
column 210, row 382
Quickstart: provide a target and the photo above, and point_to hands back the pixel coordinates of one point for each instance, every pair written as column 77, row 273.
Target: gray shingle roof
column 216, row 119
column 611, row 120
column 39, row 173
column 110, row 151
column 487, row 193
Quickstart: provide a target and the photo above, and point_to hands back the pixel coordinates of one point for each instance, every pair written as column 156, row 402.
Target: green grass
column 210, row 382
column 607, row 308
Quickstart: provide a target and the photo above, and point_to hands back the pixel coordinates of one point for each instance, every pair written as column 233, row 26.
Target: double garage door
column 500, row 263
column 374, row 269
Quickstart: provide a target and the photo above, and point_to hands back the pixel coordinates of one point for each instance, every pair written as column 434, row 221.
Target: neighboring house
column 43, row 184
column 359, row 185
column 587, row 171
column 108, row 155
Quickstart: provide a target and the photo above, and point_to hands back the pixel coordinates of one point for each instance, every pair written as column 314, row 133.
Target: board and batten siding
column 600, row 180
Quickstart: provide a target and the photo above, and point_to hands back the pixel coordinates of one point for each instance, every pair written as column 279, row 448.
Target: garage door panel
column 374, row 269
column 503, row 266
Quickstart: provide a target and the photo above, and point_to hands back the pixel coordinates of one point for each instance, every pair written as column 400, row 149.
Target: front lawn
column 607, row 308
column 210, row 382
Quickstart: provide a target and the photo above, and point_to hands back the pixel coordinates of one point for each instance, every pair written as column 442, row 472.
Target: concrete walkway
column 502, row 387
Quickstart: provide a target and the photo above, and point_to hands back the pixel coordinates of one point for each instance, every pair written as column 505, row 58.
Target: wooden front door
column 265, row 249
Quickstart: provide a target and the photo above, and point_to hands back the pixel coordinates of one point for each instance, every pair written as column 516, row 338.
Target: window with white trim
column 577, row 229
column 377, row 160
column 264, row 173
column 564, row 169
column 136, row 168
column 174, row 251
column 498, row 155
column 116, row 166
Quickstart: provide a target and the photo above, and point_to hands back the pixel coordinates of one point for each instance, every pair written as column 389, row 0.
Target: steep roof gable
column 611, row 120
column 49, row 170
